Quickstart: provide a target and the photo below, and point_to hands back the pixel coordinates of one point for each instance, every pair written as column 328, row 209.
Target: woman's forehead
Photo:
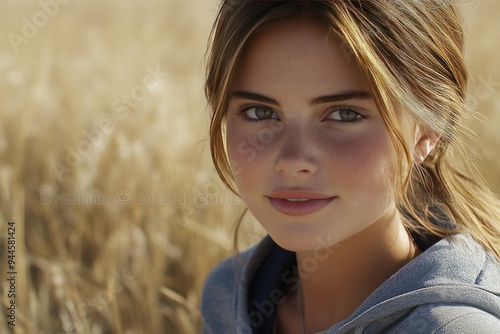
column 298, row 54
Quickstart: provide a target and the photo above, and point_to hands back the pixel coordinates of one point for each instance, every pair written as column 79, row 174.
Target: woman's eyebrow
column 342, row 96
column 239, row 94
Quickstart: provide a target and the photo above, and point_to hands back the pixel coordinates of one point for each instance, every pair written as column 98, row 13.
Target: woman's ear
column 425, row 141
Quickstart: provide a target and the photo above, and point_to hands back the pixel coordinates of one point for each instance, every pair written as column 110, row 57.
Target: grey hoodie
column 452, row 287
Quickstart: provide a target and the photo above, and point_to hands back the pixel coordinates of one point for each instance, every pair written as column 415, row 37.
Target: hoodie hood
column 456, row 272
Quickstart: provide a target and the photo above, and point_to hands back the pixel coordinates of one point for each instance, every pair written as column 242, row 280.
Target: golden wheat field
column 105, row 170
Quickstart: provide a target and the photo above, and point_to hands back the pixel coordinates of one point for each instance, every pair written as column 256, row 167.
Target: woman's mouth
column 298, row 203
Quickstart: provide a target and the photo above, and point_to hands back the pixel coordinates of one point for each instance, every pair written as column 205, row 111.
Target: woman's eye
column 260, row 113
column 345, row 115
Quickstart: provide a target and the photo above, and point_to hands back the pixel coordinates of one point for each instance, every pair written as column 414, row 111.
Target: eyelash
column 245, row 117
column 359, row 118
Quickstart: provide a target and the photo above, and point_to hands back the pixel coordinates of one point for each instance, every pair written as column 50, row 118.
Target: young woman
column 340, row 125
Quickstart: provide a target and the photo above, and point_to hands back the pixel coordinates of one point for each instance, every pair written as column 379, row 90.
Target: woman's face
column 308, row 148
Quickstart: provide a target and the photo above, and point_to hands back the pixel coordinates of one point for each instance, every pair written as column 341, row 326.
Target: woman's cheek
column 243, row 154
column 363, row 158
column 247, row 144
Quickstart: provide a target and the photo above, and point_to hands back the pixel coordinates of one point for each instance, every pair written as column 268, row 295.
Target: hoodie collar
column 450, row 271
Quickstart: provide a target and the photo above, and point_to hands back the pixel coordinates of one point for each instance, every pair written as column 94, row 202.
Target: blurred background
column 105, row 169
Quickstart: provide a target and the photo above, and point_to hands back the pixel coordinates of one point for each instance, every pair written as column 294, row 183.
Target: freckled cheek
column 250, row 146
column 243, row 157
column 362, row 157
column 246, row 157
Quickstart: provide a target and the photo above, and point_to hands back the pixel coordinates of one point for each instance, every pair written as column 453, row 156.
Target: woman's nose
column 297, row 153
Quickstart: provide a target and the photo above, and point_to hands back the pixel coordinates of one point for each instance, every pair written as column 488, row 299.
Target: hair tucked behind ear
column 412, row 53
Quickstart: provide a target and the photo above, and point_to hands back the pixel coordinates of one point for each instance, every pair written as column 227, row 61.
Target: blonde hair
column 412, row 54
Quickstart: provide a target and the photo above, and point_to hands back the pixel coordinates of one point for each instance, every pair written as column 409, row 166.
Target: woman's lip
column 299, row 208
column 297, row 194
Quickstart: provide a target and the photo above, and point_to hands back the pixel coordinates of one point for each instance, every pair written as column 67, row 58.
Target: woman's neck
column 351, row 271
